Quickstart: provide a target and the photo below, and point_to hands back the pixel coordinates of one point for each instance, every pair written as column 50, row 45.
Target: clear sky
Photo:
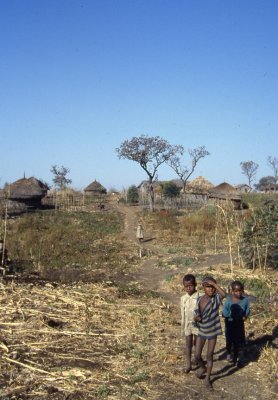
column 78, row 77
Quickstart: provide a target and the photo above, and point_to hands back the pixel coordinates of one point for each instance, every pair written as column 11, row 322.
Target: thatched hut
column 225, row 193
column 95, row 189
column 23, row 194
column 199, row 185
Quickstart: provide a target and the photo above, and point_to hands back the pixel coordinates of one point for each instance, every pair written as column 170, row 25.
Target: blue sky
column 78, row 77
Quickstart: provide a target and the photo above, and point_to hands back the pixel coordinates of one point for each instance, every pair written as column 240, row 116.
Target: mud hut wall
column 225, row 202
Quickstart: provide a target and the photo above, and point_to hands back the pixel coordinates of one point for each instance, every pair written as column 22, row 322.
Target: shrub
column 132, row 195
column 170, row 190
column 259, row 238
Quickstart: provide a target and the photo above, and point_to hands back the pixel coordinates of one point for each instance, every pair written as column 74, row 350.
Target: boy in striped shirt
column 208, row 320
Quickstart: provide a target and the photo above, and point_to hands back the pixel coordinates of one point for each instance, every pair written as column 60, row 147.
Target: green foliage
column 254, row 200
column 169, row 278
column 170, row 189
column 139, row 377
column 176, row 262
column 265, row 183
column 177, row 249
column 257, row 285
column 132, row 195
column 103, row 391
column 183, row 261
column 259, row 239
column 126, row 290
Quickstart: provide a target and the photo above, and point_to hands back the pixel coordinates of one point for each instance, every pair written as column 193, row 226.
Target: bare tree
column 273, row 163
column 249, row 168
column 150, row 153
column 185, row 172
column 60, row 179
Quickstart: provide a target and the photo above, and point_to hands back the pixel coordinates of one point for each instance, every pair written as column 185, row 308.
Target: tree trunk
column 183, row 184
column 151, row 196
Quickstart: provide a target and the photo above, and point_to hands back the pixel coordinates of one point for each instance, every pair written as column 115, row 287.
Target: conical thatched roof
column 25, row 188
column 199, row 184
column 223, row 188
column 95, row 187
column 224, row 191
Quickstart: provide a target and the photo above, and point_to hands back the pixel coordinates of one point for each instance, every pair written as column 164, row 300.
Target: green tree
column 60, row 179
column 170, row 189
column 249, row 168
column 132, row 195
column 150, row 153
column 264, row 183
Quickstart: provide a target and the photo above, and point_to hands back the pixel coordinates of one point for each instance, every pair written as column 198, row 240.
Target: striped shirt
column 210, row 326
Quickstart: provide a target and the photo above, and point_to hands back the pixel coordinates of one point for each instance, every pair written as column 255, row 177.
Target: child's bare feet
column 201, row 372
column 208, row 384
column 187, row 370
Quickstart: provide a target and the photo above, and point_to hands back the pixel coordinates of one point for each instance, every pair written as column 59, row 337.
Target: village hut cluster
column 28, row 194
column 197, row 193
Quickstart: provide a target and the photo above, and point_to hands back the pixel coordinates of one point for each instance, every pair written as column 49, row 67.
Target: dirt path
column 149, row 276
column 229, row 382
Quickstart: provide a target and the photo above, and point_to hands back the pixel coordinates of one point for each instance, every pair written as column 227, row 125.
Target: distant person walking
column 3, row 254
column 140, row 233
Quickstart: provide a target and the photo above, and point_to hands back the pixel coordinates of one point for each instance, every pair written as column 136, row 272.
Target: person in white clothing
column 140, row 233
column 188, row 327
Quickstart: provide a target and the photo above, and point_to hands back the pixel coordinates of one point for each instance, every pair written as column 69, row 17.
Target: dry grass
column 80, row 339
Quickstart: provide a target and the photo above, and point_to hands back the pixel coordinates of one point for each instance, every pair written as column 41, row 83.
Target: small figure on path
column 236, row 310
column 3, row 254
column 188, row 305
column 140, row 233
column 207, row 318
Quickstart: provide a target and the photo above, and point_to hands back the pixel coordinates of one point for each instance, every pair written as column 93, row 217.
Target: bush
column 259, row 238
column 170, row 190
column 132, row 195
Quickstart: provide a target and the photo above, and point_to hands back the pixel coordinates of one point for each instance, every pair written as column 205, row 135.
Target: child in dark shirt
column 236, row 310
